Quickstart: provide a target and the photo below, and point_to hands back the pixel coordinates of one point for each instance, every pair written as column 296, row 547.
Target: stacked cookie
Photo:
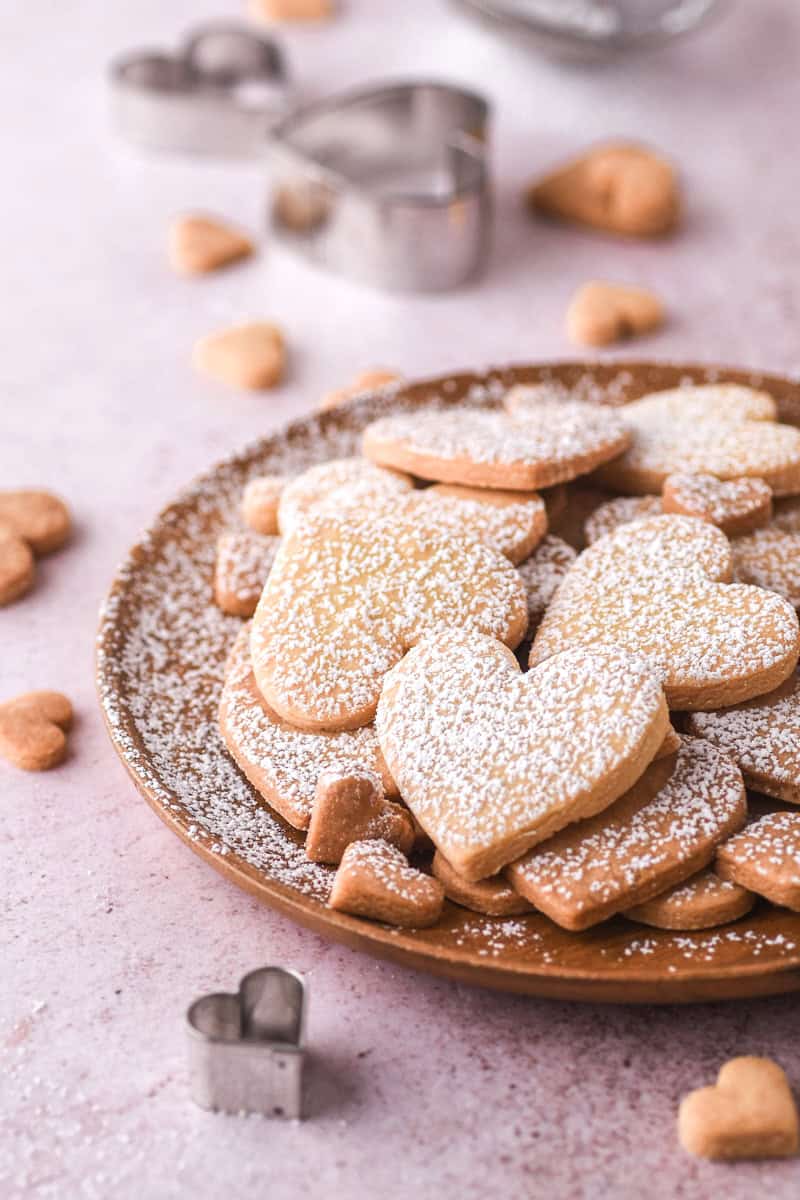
column 378, row 699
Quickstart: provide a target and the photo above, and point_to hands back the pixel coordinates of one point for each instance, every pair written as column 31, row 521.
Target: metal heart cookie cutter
column 218, row 94
column 246, row 1048
column 388, row 184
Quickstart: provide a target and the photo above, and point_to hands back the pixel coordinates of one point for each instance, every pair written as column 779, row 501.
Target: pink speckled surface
column 110, row 927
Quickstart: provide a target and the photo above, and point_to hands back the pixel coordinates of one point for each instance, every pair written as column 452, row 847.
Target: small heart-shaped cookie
column 493, row 896
column 702, row 902
column 200, row 244
column 749, row 1113
column 17, row 567
column 735, row 506
column 714, row 429
column 608, row 517
column 260, row 503
column 243, row 563
column 350, row 807
column 249, row 356
column 33, row 728
column 491, row 761
column 600, row 313
column 352, row 483
column 39, row 518
column 346, row 598
column 374, row 880
column 657, row 588
column 765, row 857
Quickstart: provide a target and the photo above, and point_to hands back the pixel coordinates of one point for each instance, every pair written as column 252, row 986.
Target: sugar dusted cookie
column 748, row 1113
column 251, row 356
column 608, row 517
column 243, row 563
column 199, row 244
column 657, row 588
column 374, row 880
column 659, row 833
column 769, row 558
column 701, row 902
column 349, row 806
column 366, row 381
column 260, row 502
column 600, row 313
column 765, row 857
column 39, row 518
column 284, row 764
column 346, row 598
column 735, row 506
column 542, row 573
column 33, row 730
column 17, row 567
column 763, row 736
column 493, row 896
column 491, row 761
column 329, row 487
column 530, row 447
column 714, row 429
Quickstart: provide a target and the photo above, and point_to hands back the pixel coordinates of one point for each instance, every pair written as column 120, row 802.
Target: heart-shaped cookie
column 714, row 429
column 199, row 244
column 735, row 506
column 749, row 1113
column 532, row 445
column 346, row 598
column 352, row 483
column 663, row 830
column 657, row 588
column 769, row 558
column 600, row 313
column 374, row 880
column 33, row 730
column 284, row 764
column 491, row 761
column 243, row 563
column 39, row 518
column 608, row 517
column 765, row 857
column 702, row 902
column 494, row 896
column 251, row 356
column 763, row 736
column 350, row 807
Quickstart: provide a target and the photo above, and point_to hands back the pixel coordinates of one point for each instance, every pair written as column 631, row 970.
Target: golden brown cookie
column 542, row 573
column 284, row 764
column 763, row 736
column 491, row 761
column 531, row 446
column 620, row 187
column 244, row 561
column 661, row 832
column 346, row 598
column 199, row 244
column 249, row 356
column 701, row 902
column 33, row 730
column 608, row 517
column 735, row 506
column 374, row 880
column 601, row 313
column 492, row 896
column 714, row 429
column 366, row 381
column 748, row 1113
column 657, row 588
column 39, row 518
column 349, row 806
column 260, row 502
column 17, row 567
column 329, row 487
column 769, row 558
column 765, row 857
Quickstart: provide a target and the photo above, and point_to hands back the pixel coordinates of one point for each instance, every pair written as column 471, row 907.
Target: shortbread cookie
column 245, row 356
column 39, row 518
column 199, row 244
column 714, row 429
column 765, row 857
column 260, row 502
column 33, row 730
column 349, row 806
column 769, row 558
column 735, row 506
column 341, row 483
column 608, row 517
column 657, row 588
column 748, row 1113
column 659, row 833
column 17, row 567
column 493, row 896
column 284, row 764
column 620, row 187
column 244, row 561
column 374, row 880
column 366, row 381
column 601, row 313
column 542, row 573
column 763, row 736
column 346, row 598
column 702, row 902
column 519, row 451
column 292, row 10
column 491, row 761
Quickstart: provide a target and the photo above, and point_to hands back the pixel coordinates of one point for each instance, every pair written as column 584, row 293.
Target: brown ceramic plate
column 161, row 653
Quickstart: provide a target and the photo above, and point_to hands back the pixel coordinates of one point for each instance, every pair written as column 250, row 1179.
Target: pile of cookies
column 458, row 689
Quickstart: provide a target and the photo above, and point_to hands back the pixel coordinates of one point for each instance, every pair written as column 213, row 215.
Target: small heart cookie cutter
column 246, row 1048
column 388, row 184
column 219, row 94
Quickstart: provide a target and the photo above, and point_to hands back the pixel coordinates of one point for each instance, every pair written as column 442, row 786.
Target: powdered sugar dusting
column 769, row 558
column 542, row 573
column 608, row 517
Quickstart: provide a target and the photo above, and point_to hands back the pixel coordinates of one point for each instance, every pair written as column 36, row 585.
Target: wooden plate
column 161, row 651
